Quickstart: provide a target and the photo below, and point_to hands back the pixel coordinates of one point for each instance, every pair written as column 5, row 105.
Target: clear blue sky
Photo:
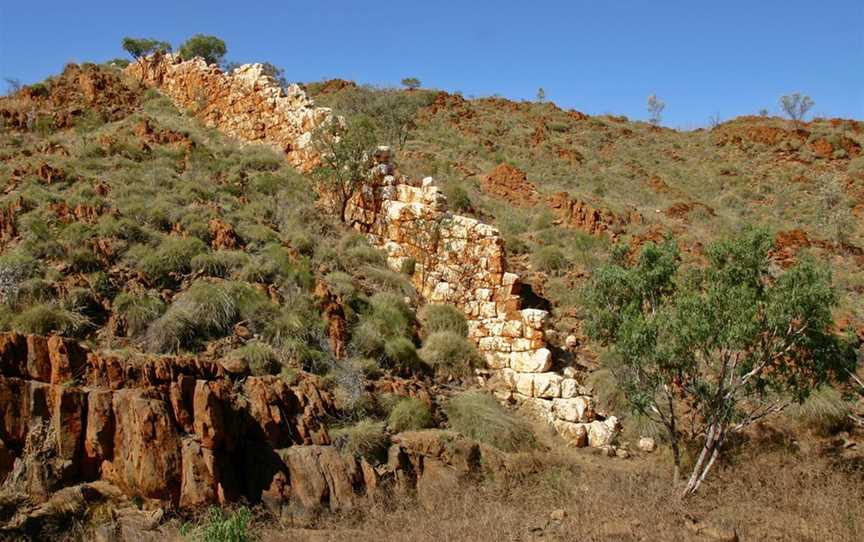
column 725, row 57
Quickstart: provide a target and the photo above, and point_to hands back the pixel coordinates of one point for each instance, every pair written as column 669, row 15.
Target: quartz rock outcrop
column 246, row 103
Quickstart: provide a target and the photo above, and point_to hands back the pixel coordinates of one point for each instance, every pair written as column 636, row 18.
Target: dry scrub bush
column 409, row 414
column 366, row 439
column 478, row 415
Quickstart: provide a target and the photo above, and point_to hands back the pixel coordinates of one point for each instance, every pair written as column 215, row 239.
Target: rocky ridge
column 246, row 103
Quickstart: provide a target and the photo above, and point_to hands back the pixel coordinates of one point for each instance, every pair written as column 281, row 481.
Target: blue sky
column 703, row 58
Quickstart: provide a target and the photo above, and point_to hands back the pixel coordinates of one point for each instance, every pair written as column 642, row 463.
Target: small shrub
column 450, row 354
column 260, row 357
column 478, row 416
column 549, row 259
column 410, row 414
column 46, row 318
column 206, row 310
column 138, row 310
column 825, row 410
column 226, row 527
column 408, row 266
column 221, row 263
column 366, row 438
column 436, row 317
column 402, row 355
column 172, row 256
column 457, row 198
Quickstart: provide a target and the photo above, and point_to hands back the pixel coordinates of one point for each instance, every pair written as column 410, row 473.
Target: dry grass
column 772, row 497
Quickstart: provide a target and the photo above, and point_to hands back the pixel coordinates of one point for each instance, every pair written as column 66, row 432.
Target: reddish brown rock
column 68, row 420
column 99, row 437
column 38, row 360
column 223, row 236
column 147, row 458
column 208, row 421
column 67, row 359
column 510, row 184
column 320, row 475
column 198, row 486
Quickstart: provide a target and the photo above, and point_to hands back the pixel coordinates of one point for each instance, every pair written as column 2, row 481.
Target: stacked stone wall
column 457, row 260
column 246, row 103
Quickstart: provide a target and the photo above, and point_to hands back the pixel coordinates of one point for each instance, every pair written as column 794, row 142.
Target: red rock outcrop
column 184, row 431
column 246, row 103
column 510, row 184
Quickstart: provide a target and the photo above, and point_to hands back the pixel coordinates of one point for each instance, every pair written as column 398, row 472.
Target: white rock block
column 569, row 388
column 575, row 434
column 601, row 433
column 538, row 361
column 547, row 385
column 576, row 409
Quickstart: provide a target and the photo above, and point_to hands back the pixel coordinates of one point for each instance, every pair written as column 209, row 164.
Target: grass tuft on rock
column 410, row 414
column 478, row 415
column 366, row 438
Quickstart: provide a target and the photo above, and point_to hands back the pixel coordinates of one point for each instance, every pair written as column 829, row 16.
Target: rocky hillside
column 184, row 320
column 562, row 186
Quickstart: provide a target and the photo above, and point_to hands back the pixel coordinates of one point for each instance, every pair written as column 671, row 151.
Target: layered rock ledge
column 186, row 432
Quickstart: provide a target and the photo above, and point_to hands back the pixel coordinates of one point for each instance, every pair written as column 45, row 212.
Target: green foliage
column 409, row 414
column 549, row 259
column 172, row 257
column 796, row 105
column 206, row 310
column 825, row 410
column 436, row 317
column 736, row 343
column 410, row 83
column 450, row 354
column 138, row 310
column 345, row 152
column 260, row 356
column 220, row 526
column 457, row 198
column 478, row 415
column 209, row 48
column 47, row 318
column 386, row 318
column 140, row 47
column 366, row 438
column 220, row 263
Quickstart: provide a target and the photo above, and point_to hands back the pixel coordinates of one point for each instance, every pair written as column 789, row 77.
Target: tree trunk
column 707, row 457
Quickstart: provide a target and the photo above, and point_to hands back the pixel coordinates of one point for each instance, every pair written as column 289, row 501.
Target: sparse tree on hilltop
column 541, row 95
column 345, row 152
column 796, row 105
column 13, row 85
column 655, row 109
column 210, row 48
column 411, row 83
column 140, row 47
column 708, row 352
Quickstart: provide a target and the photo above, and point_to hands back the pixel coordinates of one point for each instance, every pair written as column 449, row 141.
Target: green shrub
column 408, row 267
column 477, row 415
column 387, row 317
column 366, row 438
column 226, row 527
column 401, row 354
column 260, row 357
column 549, row 259
column 206, row 310
column 221, row 263
column 46, row 318
column 825, row 410
column 457, row 198
column 435, row 318
column 172, row 256
column 410, row 414
column 450, row 354
column 138, row 310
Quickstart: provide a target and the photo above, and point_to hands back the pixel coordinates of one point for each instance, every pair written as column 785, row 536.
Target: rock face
column 246, row 103
column 462, row 262
column 186, row 432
